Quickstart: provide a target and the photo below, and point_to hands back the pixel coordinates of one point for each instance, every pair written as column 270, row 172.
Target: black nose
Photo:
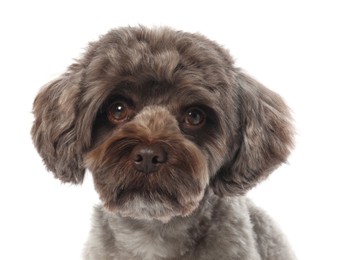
column 148, row 157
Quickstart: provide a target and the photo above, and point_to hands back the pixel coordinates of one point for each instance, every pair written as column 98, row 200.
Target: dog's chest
column 149, row 245
column 143, row 245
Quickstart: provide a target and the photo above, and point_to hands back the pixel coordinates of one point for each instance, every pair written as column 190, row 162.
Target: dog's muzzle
column 148, row 169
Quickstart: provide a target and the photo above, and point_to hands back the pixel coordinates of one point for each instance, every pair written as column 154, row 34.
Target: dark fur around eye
column 198, row 122
column 195, row 117
column 119, row 112
column 118, row 108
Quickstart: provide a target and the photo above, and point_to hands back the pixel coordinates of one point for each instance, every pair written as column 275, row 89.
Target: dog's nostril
column 155, row 160
column 138, row 158
column 147, row 158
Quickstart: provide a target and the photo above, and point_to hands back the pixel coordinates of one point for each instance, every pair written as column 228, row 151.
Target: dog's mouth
column 160, row 188
column 161, row 194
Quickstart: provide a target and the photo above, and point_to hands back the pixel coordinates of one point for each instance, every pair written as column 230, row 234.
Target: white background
column 290, row 46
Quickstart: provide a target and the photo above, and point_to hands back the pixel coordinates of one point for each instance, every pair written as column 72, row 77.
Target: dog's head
column 157, row 116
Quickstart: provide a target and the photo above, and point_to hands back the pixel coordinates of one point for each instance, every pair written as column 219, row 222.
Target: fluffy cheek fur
column 175, row 189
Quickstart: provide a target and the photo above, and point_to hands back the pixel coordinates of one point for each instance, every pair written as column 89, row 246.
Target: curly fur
column 192, row 206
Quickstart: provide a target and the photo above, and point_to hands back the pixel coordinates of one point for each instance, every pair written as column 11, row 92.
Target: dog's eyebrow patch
column 129, row 86
column 124, row 89
column 197, row 95
column 124, row 86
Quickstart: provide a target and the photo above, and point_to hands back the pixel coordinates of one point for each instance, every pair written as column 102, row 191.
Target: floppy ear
column 265, row 138
column 54, row 128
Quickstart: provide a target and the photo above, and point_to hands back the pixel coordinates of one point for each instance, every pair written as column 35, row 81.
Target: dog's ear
column 54, row 128
column 264, row 140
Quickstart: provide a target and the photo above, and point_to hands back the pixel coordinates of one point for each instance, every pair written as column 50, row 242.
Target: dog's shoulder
column 100, row 244
column 270, row 240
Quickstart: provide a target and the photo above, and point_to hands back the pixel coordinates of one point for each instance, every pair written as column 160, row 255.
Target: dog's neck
column 154, row 239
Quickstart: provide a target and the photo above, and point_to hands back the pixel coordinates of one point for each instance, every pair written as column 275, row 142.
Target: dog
column 174, row 135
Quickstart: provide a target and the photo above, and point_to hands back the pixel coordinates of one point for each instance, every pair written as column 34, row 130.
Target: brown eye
column 195, row 117
column 119, row 111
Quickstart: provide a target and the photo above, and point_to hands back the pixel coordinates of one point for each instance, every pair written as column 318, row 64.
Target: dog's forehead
column 158, row 67
column 174, row 95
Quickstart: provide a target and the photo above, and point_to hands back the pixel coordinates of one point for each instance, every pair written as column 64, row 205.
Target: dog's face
column 158, row 116
column 154, row 147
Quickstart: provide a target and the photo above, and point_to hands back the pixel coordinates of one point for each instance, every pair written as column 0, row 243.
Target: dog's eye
column 119, row 111
column 194, row 117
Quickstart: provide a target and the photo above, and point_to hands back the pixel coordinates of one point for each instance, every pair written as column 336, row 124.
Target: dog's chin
column 152, row 206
